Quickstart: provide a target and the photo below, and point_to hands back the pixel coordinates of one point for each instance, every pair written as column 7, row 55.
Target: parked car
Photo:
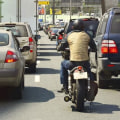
column 25, row 37
column 106, row 61
column 11, row 63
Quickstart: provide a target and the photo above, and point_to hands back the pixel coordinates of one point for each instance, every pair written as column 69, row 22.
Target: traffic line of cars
column 18, row 48
column 105, row 63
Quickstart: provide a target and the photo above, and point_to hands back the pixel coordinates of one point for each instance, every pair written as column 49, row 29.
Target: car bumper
column 106, row 65
column 9, row 77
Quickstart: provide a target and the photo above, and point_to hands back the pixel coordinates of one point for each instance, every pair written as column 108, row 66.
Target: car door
column 98, row 39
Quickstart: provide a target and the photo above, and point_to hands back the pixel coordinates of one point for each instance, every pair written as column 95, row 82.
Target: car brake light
column 60, row 37
column 109, row 46
column 111, row 65
column 11, row 57
column 31, row 44
column 52, row 33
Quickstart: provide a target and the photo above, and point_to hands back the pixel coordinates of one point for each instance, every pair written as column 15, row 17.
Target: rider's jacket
column 78, row 44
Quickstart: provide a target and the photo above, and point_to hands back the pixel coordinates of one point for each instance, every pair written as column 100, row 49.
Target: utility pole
column 103, row 6
column 18, row 13
column 70, row 9
column 53, row 11
column 36, row 15
column 1, row 10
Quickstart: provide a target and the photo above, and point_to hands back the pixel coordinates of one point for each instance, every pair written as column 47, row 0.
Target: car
column 59, row 36
column 25, row 37
column 11, row 63
column 53, row 33
column 105, row 62
column 91, row 25
column 40, row 26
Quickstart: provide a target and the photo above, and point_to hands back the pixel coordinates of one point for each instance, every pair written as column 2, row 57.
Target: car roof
column 5, row 31
column 13, row 23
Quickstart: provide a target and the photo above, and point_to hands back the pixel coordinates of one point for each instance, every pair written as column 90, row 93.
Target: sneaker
column 61, row 90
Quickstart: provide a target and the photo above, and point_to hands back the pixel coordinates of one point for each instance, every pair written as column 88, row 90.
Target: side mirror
column 25, row 48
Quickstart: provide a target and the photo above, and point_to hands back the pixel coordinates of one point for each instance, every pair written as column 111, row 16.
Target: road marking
column 38, row 62
column 37, row 78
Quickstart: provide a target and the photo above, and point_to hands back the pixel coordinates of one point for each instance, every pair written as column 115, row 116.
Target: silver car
column 25, row 37
column 11, row 63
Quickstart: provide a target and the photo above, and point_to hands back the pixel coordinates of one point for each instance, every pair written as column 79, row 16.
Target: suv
column 106, row 61
column 25, row 37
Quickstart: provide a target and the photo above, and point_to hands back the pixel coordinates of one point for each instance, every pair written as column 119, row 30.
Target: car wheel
column 33, row 68
column 102, row 80
column 18, row 91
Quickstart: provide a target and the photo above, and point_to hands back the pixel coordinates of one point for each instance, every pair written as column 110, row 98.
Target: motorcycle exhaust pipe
column 67, row 99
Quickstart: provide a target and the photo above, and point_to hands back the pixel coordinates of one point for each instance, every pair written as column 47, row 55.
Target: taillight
column 60, row 37
column 52, row 33
column 109, row 46
column 11, row 57
column 31, row 44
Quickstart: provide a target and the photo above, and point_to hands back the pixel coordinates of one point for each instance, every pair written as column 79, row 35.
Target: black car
column 91, row 25
column 106, row 61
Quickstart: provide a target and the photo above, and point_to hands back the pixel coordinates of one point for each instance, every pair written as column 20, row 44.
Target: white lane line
column 38, row 62
column 37, row 78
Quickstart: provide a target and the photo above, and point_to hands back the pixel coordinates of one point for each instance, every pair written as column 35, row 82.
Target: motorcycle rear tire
column 80, row 95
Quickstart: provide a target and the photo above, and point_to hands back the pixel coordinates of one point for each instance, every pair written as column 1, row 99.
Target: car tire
column 32, row 68
column 102, row 80
column 18, row 91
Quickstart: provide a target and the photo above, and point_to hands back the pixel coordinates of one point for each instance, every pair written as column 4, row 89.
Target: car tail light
column 60, row 37
column 109, row 46
column 52, row 33
column 31, row 44
column 111, row 65
column 11, row 57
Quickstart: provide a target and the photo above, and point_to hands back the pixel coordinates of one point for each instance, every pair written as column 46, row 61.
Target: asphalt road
column 41, row 101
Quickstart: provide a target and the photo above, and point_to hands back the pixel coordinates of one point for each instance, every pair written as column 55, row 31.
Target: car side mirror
column 25, row 48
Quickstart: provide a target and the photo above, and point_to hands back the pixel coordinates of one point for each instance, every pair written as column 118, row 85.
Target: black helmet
column 78, row 25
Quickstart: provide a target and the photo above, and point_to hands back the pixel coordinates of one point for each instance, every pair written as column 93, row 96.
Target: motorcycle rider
column 77, row 41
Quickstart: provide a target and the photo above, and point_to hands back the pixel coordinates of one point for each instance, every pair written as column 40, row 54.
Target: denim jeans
column 68, row 65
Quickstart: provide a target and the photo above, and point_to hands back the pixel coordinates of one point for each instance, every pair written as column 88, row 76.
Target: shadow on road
column 48, row 54
column 36, row 94
column 43, row 71
column 43, row 59
column 47, row 44
column 46, row 48
column 104, row 108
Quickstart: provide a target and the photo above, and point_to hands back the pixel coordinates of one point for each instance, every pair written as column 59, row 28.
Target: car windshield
column 115, row 26
column 18, row 30
column 4, row 39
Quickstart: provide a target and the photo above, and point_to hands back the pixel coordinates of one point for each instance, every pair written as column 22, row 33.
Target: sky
column 28, row 11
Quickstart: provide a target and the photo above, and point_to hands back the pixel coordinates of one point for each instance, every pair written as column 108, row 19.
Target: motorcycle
column 79, row 86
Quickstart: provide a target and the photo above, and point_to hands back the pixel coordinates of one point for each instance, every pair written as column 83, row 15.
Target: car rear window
column 4, row 39
column 115, row 25
column 90, row 24
column 18, row 30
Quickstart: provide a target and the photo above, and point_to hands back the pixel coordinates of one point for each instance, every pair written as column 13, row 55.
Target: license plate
column 78, row 75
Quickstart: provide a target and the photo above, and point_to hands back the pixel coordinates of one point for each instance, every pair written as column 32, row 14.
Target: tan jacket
column 78, row 44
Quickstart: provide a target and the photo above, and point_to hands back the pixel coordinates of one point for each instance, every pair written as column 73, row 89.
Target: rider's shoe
column 61, row 90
